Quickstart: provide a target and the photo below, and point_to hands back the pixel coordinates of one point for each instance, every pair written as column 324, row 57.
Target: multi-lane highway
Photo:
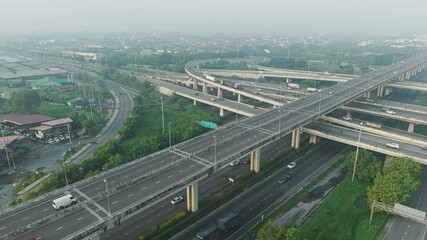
column 169, row 171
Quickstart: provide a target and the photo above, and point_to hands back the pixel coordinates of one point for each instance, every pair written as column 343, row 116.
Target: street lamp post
column 320, row 103
column 65, row 173
column 280, row 121
column 163, row 116
column 170, row 140
column 357, row 153
column 215, row 166
column 108, row 197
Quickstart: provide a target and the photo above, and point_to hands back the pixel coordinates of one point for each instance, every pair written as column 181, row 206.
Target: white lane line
column 97, row 188
column 139, row 170
column 59, row 228
column 181, row 170
column 47, row 209
column 113, row 181
column 126, row 176
column 157, row 182
column 191, row 165
column 2, row 228
column 169, row 176
column 114, row 202
column 130, row 195
column 25, row 218
column 78, row 219
column 151, row 166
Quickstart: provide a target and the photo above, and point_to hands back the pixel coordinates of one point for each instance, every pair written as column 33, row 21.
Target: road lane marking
column 151, row 166
column 59, row 228
column 114, row 202
column 144, row 188
column 47, row 209
column 2, row 228
column 181, row 170
column 25, row 218
column 78, row 219
column 113, row 181
column 157, row 182
column 169, row 176
column 126, row 176
column 139, row 170
column 130, row 195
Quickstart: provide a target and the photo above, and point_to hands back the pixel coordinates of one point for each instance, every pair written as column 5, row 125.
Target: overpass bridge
column 367, row 141
column 137, row 185
column 408, row 85
column 395, row 105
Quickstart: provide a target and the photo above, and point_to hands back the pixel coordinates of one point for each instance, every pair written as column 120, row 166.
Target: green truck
column 212, row 231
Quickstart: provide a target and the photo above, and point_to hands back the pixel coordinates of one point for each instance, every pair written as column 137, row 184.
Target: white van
column 64, row 201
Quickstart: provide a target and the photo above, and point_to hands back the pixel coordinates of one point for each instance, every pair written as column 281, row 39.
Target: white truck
column 210, row 78
column 65, row 201
column 312, row 89
column 294, row 85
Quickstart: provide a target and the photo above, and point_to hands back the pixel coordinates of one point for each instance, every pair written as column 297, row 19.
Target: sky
column 215, row 16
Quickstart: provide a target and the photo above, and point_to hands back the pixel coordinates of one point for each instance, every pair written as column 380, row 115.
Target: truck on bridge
column 294, row 85
column 371, row 124
column 208, row 77
column 312, row 89
column 211, row 232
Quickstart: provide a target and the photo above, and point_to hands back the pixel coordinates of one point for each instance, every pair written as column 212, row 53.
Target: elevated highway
column 409, row 85
column 157, row 176
column 367, row 141
column 395, row 105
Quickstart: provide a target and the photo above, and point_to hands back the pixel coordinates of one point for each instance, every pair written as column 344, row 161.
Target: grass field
column 343, row 215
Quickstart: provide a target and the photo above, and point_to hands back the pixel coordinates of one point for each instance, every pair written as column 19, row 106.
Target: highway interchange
column 193, row 156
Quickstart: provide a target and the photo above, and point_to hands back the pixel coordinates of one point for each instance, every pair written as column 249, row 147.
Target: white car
column 234, row 163
column 390, row 112
column 347, row 118
column 177, row 200
column 393, row 145
column 292, row 165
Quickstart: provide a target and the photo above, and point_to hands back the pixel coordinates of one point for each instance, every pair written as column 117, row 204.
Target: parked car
column 177, row 200
column 292, row 165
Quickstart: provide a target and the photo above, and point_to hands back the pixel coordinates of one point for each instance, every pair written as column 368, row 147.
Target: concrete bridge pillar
column 255, row 160
column 205, row 87
column 296, row 138
column 288, row 80
column 348, row 114
column 411, row 127
column 221, row 112
column 388, row 159
column 239, row 98
column 219, row 93
column 401, row 77
column 380, row 91
column 193, row 197
column 367, row 94
column 314, row 139
column 408, row 75
column 195, row 82
column 387, row 91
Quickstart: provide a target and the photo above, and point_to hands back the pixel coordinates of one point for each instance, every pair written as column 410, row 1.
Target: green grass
column 343, row 215
column 28, row 180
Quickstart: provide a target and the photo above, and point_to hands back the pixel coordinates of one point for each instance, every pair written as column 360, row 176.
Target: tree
column 269, row 231
column 24, row 101
column 90, row 126
column 401, row 177
column 368, row 166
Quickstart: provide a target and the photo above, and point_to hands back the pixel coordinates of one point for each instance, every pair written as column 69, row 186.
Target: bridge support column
column 288, row 80
column 96, row 237
column 348, row 114
column 195, row 82
column 205, row 87
column 314, row 139
column 380, row 91
column 408, row 75
column 388, row 159
column 367, row 94
column 401, row 77
column 193, row 197
column 194, row 102
column 221, row 112
column 219, row 93
column 255, row 160
column 296, row 138
column 387, row 91
column 411, row 127
column 239, row 98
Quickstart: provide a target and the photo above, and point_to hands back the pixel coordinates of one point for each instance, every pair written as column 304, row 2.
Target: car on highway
column 234, row 163
column 390, row 112
column 177, row 200
column 282, row 180
column 331, row 92
column 347, row 118
column 393, row 145
column 291, row 165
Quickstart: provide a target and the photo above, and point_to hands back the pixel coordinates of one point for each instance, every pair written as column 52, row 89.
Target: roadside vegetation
column 344, row 214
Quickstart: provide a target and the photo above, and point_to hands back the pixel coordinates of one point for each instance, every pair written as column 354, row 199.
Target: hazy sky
column 263, row 16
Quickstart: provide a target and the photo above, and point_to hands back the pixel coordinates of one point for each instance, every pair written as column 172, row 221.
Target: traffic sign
column 210, row 125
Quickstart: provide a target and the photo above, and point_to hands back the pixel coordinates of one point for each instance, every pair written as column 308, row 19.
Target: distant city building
column 87, row 56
